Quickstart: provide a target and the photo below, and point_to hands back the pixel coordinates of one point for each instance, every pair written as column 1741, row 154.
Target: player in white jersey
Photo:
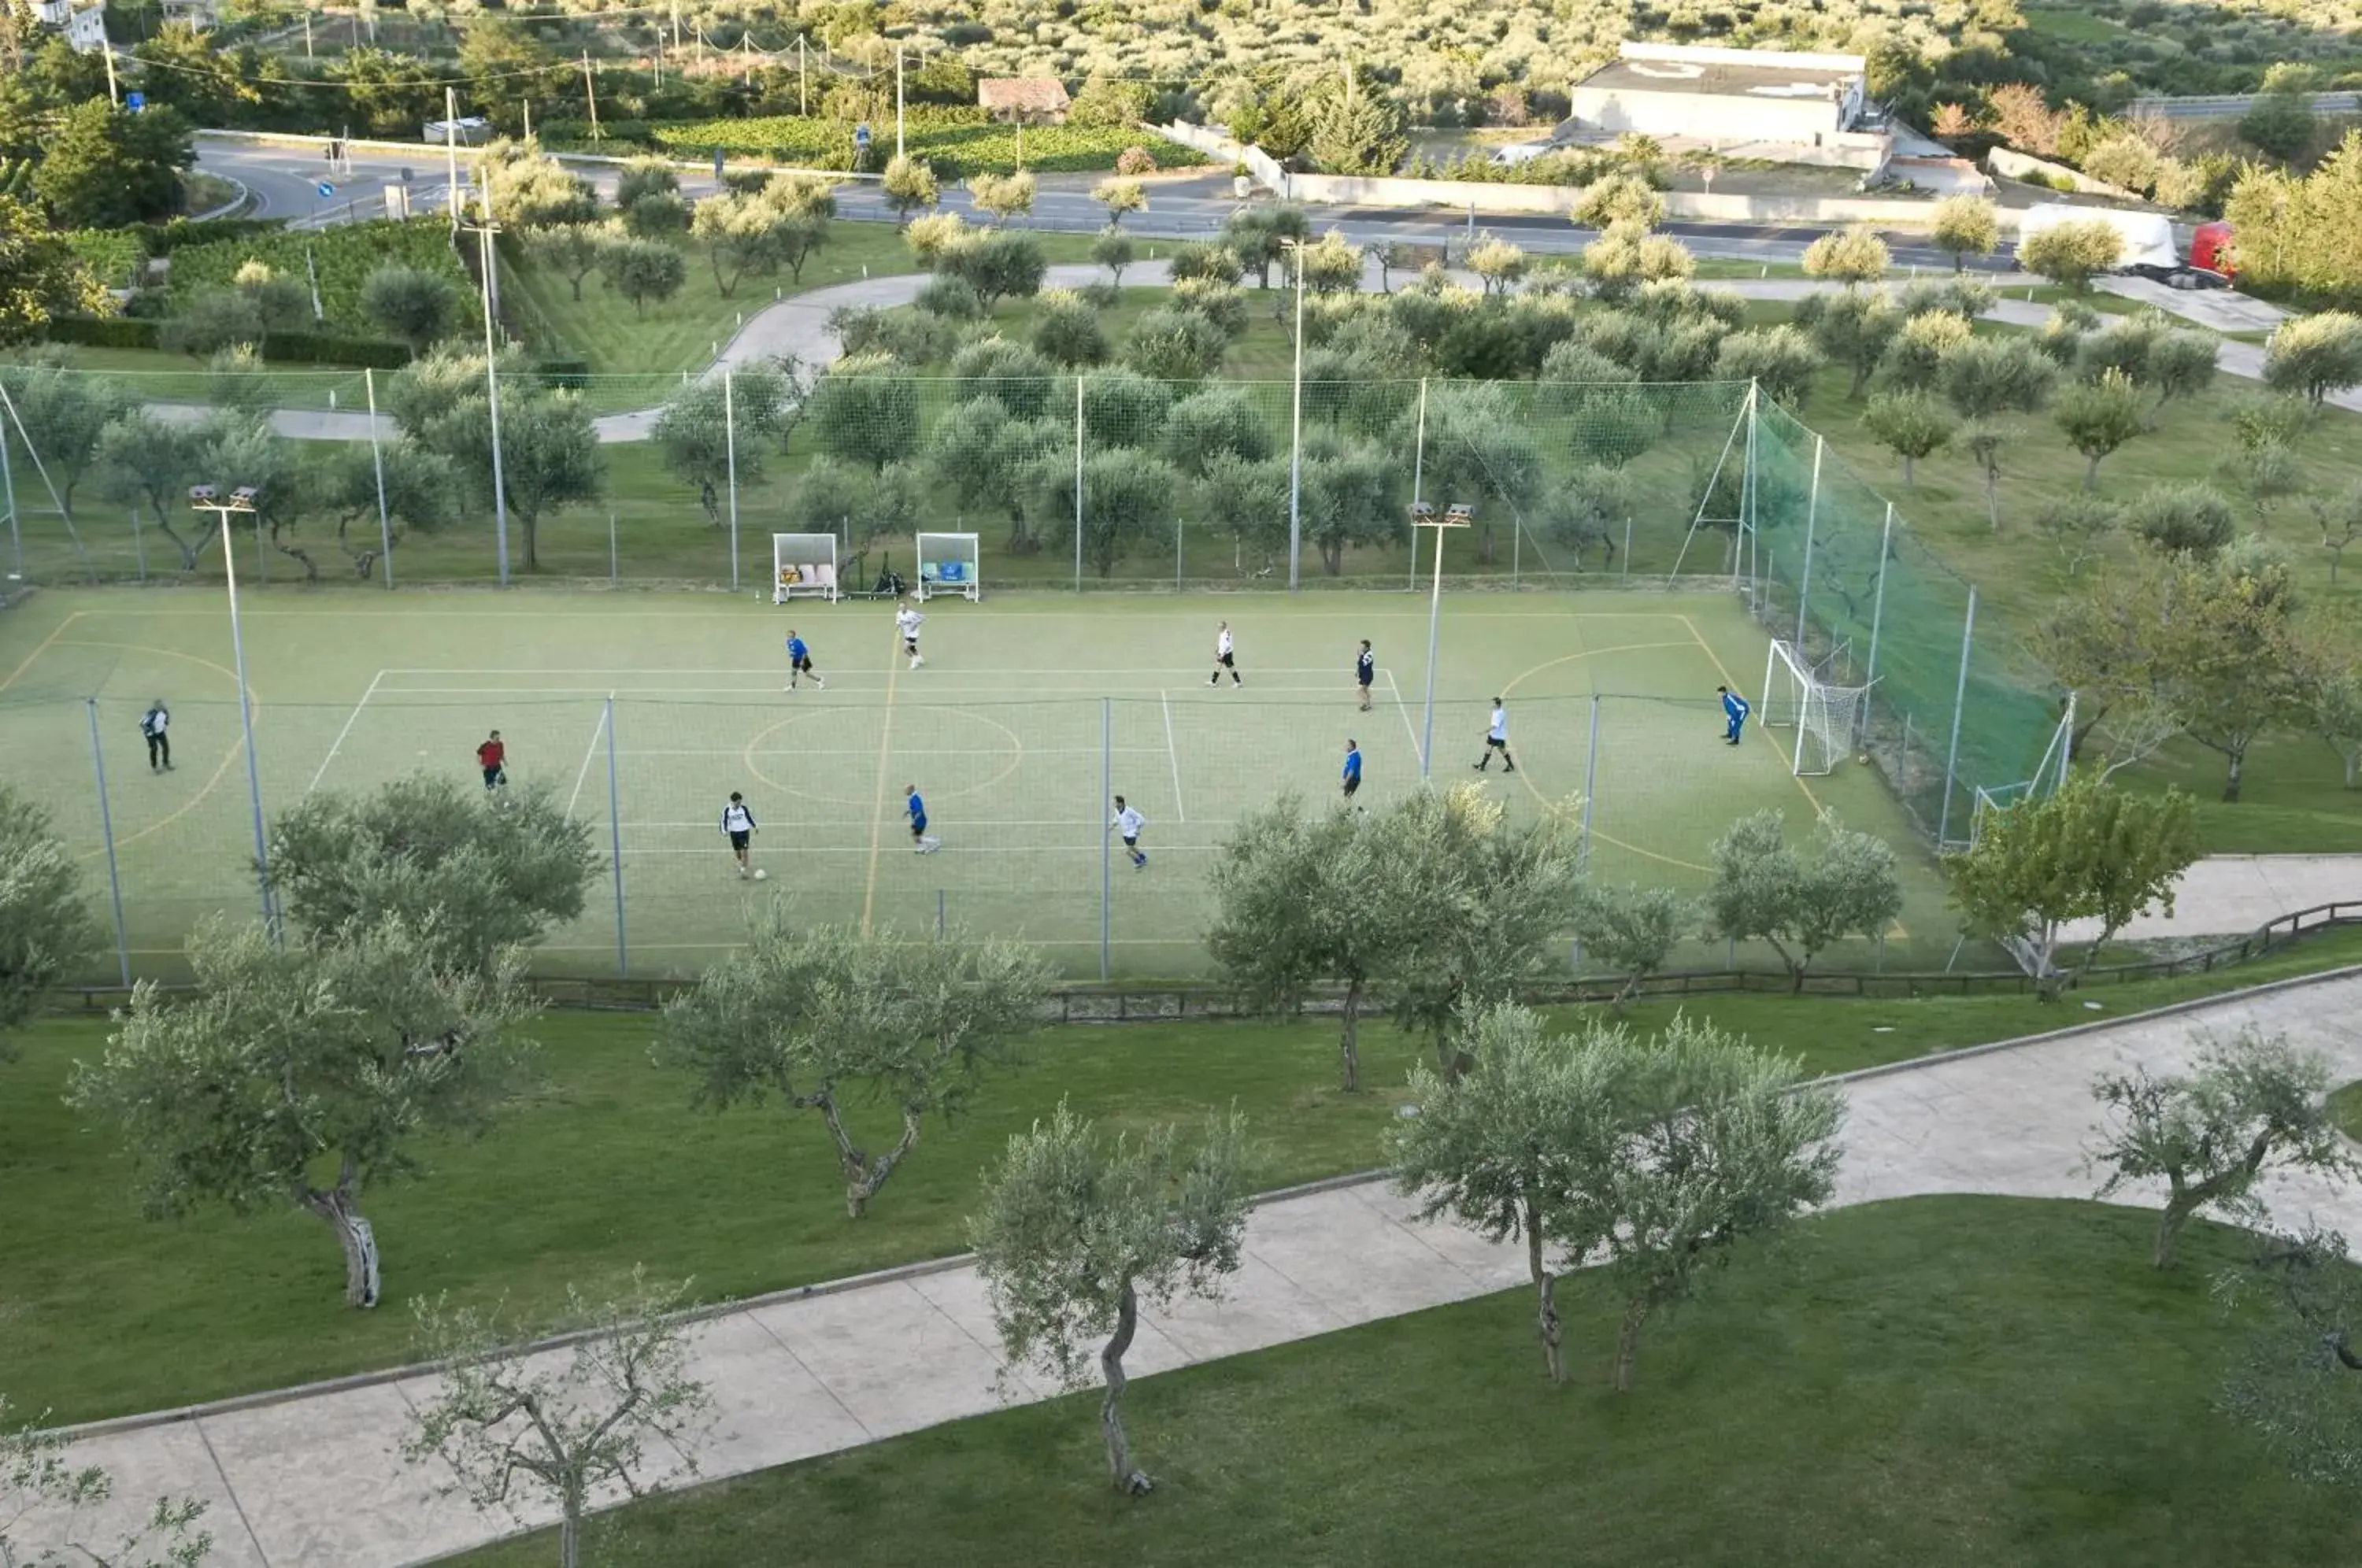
column 907, row 621
column 1224, row 657
column 1497, row 738
column 738, row 827
column 1129, row 823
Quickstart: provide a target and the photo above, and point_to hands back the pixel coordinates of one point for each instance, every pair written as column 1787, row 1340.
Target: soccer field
column 1029, row 713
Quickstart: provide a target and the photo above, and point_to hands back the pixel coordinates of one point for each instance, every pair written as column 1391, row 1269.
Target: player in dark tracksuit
column 1365, row 669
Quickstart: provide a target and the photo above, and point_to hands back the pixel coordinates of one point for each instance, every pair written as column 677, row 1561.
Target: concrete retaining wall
column 2019, row 165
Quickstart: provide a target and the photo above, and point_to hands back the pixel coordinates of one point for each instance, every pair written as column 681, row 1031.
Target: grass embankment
column 1941, row 1381
column 606, row 1166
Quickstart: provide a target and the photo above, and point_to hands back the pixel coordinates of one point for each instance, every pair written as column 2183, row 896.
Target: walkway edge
column 117, row 1425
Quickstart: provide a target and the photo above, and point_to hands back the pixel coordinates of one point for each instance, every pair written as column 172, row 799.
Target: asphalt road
column 285, row 182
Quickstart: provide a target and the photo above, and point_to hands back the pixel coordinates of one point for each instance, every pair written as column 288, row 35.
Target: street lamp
column 484, row 229
column 1459, row 515
column 1296, row 432
column 241, row 502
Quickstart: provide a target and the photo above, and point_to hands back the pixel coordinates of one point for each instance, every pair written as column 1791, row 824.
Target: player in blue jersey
column 1353, row 765
column 1734, row 711
column 1365, row 669
column 799, row 663
column 916, row 806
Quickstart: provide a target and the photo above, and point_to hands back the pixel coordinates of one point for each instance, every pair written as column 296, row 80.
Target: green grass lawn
column 2346, row 1109
column 615, row 1170
column 682, row 333
column 1935, row 1382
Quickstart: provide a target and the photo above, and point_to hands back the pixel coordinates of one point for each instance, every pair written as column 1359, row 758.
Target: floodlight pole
column 8, row 494
column 1959, row 700
column 377, row 463
column 1296, row 441
column 1418, row 475
column 451, row 155
column 484, row 231
column 107, row 831
column 1078, row 482
column 223, row 511
column 1422, row 516
column 730, row 445
column 1877, row 616
column 1812, row 518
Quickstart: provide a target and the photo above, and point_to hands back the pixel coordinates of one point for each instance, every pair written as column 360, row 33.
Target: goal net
column 947, row 564
column 1825, row 715
column 803, row 566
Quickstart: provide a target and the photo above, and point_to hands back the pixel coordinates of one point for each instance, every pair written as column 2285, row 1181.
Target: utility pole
column 106, row 53
column 451, row 155
column 591, row 94
column 307, row 32
column 484, row 230
column 897, row 100
column 803, row 89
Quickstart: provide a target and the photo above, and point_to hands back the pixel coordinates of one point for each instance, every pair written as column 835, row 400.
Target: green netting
column 1870, row 605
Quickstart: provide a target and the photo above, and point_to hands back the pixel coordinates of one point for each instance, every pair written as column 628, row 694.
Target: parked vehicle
column 472, row 131
column 2149, row 248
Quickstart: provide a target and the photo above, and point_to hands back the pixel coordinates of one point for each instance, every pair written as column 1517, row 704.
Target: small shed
column 1036, row 100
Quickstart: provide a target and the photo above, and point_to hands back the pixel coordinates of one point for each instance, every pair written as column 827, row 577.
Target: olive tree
column 2071, row 254
column 572, row 250
column 1963, row 226
column 1632, row 929
column 617, row 1402
column 1002, row 196
column 306, row 1073
column 1118, row 197
column 45, row 927
column 1909, row 426
column 1800, row 903
column 2207, row 1136
column 1653, row 1156
column 1782, row 360
column 986, row 456
column 2087, row 852
column 830, row 1019
column 909, row 186
column 411, row 304
column 643, row 271
column 2315, row 355
column 1852, row 257
column 474, row 882
column 2098, row 416
column 1077, row 1229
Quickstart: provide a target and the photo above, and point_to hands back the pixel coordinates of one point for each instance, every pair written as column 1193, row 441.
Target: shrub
column 1134, row 161
column 344, row 257
column 952, row 298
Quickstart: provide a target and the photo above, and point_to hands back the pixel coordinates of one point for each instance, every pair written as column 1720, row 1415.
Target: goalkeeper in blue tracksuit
column 1734, row 711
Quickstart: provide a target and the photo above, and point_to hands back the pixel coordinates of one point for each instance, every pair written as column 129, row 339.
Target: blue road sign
column 135, row 102
column 326, row 190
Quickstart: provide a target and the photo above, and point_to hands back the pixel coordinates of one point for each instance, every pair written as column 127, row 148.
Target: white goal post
column 803, row 566
column 948, row 563
column 1825, row 716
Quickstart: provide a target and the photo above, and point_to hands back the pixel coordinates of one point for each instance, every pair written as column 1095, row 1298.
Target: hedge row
column 956, row 142
column 112, row 255
column 345, row 257
column 278, row 347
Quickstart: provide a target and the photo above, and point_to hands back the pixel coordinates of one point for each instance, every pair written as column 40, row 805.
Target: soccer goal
column 947, row 564
column 1825, row 716
column 803, row 566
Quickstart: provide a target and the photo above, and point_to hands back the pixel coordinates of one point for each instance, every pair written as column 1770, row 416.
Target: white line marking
column 587, row 752
column 643, row 669
column 870, row 751
column 336, row 746
column 849, row 824
column 1409, row 728
column 1038, row 692
column 1173, row 752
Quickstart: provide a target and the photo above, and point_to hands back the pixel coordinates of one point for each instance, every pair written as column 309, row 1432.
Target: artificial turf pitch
column 1030, row 711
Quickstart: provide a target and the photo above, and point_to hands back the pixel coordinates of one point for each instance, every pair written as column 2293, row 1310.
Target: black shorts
column 801, row 665
column 738, row 840
column 1353, row 784
column 1498, row 742
column 918, row 828
column 910, row 644
column 1131, row 841
column 1226, row 661
column 1362, row 680
column 495, row 776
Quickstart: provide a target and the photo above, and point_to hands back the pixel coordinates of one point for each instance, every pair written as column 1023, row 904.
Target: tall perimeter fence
column 1096, row 481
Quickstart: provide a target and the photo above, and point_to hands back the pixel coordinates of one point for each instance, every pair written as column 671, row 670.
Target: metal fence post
column 616, row 838
column 1078, row 504
column 1960, row 702
column 1812, row 520
column 1589, row 794
column 139, row 546
column 1877, row 618
column 729, row 446
column 377, row 462
column 107, row 831
column 9, row 496
column 1176, row 555
column 612, row 575
column 1107, row 840
column 1417, row 474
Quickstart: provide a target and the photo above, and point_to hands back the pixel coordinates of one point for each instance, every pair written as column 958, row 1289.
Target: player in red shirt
column 492, row 756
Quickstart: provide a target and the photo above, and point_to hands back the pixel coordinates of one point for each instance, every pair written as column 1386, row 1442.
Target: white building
column 84, row 26
column 1722, row 95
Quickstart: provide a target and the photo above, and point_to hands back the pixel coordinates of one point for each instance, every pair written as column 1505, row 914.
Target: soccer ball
column 762, row 876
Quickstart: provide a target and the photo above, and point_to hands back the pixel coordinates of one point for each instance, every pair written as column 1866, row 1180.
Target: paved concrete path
column 313, row 1479
column 2231, row 895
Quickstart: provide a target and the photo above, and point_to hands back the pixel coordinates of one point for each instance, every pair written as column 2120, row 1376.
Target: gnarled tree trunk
column 353, row 1234
column 1627, row 1341
column 863, row 1174
column 1349, row 1044
column 1127, row 1323
column 1546, row 1288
